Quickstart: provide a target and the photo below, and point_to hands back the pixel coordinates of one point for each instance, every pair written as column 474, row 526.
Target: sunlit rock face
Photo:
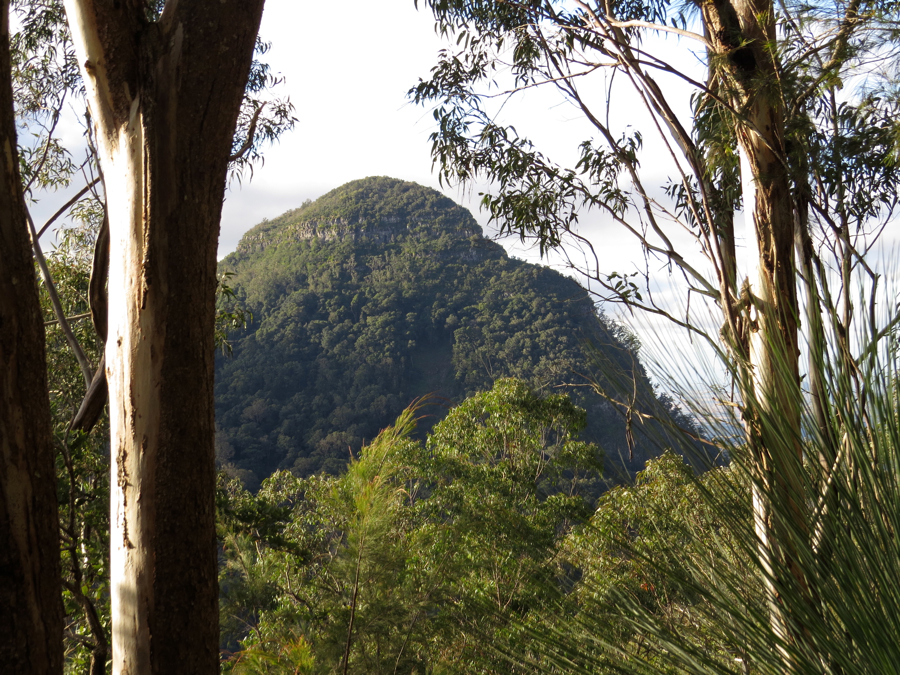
column 377, row 209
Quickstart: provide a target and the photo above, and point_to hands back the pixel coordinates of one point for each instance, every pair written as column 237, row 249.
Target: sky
column 348, row 67
column 348, row 70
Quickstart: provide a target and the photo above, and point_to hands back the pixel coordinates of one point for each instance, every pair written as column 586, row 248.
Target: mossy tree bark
column 164, row 96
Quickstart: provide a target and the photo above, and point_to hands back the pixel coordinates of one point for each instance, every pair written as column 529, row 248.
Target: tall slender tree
column 164, row 89
column 31, row 616
column 744, row 65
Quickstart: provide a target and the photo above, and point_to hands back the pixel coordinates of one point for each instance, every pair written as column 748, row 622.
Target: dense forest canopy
column 383, row 291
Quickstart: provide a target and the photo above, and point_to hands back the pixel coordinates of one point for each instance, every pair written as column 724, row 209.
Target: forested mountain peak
column 377, row 208
column 383, row 291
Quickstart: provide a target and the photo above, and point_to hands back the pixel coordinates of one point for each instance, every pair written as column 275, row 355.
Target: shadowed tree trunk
column 31, row 613
column 164, row 96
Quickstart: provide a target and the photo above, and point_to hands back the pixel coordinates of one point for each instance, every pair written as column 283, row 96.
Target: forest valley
column 481, row 508
column 413, row 453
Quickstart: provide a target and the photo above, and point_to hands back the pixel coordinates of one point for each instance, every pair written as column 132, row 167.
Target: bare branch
column 46, row 153
column 76, row 317
column 65, row 207
column 86, row 370
column 656, row 26
column 629, row 409
column 251, row 134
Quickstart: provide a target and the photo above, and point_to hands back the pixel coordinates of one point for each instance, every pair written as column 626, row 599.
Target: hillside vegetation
column 383, row 291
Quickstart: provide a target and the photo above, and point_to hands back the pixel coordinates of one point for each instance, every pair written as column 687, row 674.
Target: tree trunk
column 164, row 97
column 31, row 612
column 742, row 33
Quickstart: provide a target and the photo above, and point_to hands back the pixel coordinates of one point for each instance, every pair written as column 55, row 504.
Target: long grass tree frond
column 674, row 576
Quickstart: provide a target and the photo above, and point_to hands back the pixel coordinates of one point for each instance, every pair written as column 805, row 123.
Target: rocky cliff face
column 388, row 230
column 376, row 210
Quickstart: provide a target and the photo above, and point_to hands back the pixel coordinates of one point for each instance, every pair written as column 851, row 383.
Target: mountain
column 382, row 291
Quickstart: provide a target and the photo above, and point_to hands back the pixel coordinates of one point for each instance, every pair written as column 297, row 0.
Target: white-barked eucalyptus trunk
column 742, row 35
column 164, row 98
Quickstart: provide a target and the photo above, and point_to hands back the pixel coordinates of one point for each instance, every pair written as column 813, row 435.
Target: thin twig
column 251, row 135
column 43, row 161
column 53, row 322
column 656, row 26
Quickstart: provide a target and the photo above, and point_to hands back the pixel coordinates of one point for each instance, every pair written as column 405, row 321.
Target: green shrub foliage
column 420, row 556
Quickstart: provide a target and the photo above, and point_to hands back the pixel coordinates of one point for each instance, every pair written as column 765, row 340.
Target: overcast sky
column 348, row 67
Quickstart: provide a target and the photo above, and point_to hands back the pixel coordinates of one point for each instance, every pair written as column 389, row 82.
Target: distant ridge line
column 413, row 211
column 340, row 229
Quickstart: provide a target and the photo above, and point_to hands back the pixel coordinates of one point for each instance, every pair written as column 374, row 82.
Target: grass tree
column 769, row 131
column 670, row 573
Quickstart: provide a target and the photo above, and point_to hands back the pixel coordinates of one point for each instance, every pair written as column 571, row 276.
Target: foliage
column 836, row 65
column 793, row 113
column 419, row 555
column 634, row 559
column 672, row 578
column 229, row 316
column 383, row 291
column 82, row 462
column 262, row 118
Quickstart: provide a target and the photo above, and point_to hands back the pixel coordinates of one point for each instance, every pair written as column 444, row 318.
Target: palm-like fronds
column 679, row 576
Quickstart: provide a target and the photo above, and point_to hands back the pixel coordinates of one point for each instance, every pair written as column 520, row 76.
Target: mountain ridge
column 339, row 215
column 397, row 296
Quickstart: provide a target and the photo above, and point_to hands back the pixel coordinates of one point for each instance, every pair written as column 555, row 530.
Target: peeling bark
column 742, row 33
column 164, row 99
column 31, row 612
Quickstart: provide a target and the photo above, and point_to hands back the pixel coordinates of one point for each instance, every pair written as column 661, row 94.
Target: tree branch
column 86, row 369
column 65, row 207
column 76, row 317
column 251, row 135
column 656, row 26
column 43, row 161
